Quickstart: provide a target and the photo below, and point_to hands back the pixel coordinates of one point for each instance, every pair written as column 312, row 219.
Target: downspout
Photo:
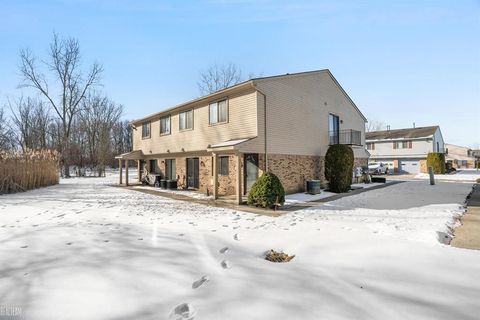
column 264, row 125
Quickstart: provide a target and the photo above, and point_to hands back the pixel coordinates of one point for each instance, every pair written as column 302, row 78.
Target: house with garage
column 222, row 142
column 405, row 150
column 459, row 157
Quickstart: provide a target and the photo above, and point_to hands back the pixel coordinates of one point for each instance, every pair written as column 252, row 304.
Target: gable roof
column 420, row 132
column 243, row 85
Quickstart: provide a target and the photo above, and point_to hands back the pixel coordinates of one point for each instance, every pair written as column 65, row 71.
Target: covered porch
column 124, row 161
column 229, row 148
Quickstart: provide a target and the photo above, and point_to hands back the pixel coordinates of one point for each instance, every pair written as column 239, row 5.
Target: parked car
column 377, row 168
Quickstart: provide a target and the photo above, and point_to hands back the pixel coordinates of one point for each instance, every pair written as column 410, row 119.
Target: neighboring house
column 459, row 157
column 405, row 150
column 283, row 124
column 476, row 154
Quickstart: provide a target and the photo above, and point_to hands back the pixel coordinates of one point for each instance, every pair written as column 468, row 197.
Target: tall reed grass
column 22, row 171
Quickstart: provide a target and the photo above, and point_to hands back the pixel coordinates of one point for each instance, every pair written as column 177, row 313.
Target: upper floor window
column 402, row 145
column 370, row 146
column 186, row 120
column 146, row 130
column 165, row 125
column 218, row 112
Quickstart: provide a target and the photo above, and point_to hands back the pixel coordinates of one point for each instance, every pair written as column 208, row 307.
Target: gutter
column 264, row 124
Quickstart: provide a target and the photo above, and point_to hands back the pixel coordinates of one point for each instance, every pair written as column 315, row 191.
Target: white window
column 218, row 112
column 146, row 130
column 186, row 120
column 402, row 145
column 165, row 125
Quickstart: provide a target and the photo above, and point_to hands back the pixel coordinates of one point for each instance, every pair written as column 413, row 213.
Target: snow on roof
column 228, row 143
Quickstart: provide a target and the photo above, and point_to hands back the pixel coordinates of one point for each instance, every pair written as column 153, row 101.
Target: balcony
column 348, row 137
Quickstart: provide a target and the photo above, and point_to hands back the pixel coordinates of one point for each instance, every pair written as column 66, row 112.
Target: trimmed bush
column 265, row 191
column 338, row 167
column 436, row 160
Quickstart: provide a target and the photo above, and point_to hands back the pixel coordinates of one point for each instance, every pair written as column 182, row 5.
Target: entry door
column 251, row 170
column 193, row 180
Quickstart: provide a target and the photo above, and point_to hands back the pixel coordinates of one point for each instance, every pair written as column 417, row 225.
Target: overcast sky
column 400, row 61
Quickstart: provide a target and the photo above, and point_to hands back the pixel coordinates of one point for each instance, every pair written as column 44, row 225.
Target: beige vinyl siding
column 242, row 123
column 297, row 117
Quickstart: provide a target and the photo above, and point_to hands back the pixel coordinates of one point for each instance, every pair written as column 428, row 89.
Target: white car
column 377, row 168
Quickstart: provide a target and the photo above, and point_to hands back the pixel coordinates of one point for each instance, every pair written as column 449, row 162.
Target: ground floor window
column 153, row 166
column 223, row 166
column 170, row 169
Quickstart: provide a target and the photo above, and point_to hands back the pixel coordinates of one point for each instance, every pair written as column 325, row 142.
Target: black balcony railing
column 350, row 137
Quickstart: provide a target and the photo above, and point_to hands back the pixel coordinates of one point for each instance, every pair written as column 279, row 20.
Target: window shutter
column 410, row 144
column 394, row 145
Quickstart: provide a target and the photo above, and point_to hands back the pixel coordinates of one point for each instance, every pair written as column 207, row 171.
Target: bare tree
column 6, row 142
column 122, row 137
column 219, row 77
column 375, row 125
column 64, row 65
column 30, row 122
column 98, row 117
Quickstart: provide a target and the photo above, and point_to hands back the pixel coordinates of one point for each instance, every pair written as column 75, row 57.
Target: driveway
column 405, row 195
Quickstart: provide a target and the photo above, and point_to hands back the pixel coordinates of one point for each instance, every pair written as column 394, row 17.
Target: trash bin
column 156, row 182
column 163, row 183
column 171, row 184
column 313, row 186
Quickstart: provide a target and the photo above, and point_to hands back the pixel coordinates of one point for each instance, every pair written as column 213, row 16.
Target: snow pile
column 85, row 250
column 186, row 193
column 466, row 175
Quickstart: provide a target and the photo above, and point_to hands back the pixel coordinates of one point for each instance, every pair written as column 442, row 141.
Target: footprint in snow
column 23, row 247
column 200, row 282
column 184, row 311
column 69, row 243
column 223, row 250
column 226, row 264
column 236, row 236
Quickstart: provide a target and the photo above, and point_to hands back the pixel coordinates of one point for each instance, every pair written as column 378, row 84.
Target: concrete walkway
column 468, row 234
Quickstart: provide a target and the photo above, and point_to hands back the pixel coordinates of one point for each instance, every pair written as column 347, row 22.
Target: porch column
column 138, row 170
column 120, row 169
column 126, row 172
column 238, row 190
column 215, row 176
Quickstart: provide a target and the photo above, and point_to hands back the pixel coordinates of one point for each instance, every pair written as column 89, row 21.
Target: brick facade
column 292, row 170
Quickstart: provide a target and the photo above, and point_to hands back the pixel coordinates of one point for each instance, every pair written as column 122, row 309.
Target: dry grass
column 21, row 171
column 275, row 256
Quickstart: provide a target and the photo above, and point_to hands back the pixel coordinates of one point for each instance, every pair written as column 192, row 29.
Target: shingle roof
column 244, row 83
column 421, row 132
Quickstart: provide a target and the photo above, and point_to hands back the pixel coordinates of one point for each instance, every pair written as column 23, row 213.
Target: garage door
column 410, row 166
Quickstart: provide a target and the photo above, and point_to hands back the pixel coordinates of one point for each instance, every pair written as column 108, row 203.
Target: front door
column 251, row 170
column 193, row 180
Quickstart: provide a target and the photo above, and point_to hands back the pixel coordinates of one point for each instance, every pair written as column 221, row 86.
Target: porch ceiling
column 133, row 155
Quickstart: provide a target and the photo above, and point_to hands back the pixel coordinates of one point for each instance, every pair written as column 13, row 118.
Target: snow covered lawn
column 86, row 250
